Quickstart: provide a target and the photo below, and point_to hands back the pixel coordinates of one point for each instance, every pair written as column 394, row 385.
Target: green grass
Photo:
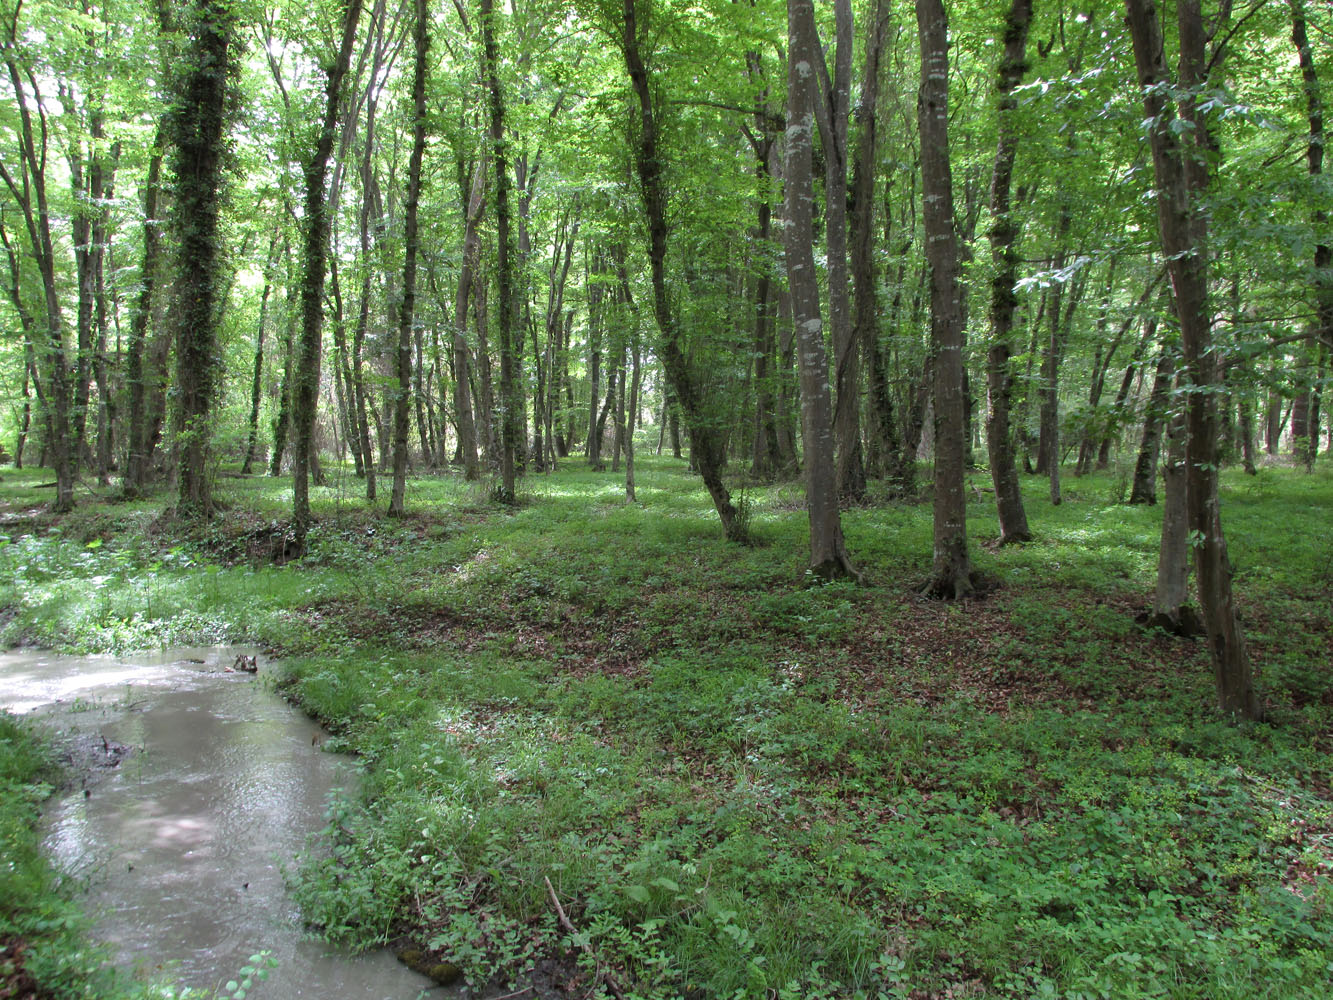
column 739, row 785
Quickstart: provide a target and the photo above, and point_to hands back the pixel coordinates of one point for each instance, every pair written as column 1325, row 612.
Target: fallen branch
column 610, row 980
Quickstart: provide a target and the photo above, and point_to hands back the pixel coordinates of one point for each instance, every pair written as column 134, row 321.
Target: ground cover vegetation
column 526, row 261
column 739, row 784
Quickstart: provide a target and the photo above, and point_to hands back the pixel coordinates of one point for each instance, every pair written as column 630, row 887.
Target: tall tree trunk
column 596, row 292
column 463, row 419
column 1004, row 300
column 29, row 191
column 199, row 126
column 865, row 329
column 1181, row 181
column 402, row 398
column 1321, row 332
column 951, row 572
column 828, row 552
column 510, row 390
column 707, row 441
column 342, row 370
column 136, row 444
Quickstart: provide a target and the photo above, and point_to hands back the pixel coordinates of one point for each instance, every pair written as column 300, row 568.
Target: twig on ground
column 610, row 980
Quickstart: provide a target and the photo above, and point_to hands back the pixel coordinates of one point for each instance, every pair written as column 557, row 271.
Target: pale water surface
column 181, row 843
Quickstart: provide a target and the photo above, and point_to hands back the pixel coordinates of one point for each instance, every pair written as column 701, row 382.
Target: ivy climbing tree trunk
column 1182, row 180
column 407, row 304
column 316, row 234
column 198, row 125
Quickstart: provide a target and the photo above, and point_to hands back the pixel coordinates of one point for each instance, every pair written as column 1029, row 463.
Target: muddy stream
column 200, row 785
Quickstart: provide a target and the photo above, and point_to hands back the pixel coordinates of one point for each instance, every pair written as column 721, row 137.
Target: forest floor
column 739, row 784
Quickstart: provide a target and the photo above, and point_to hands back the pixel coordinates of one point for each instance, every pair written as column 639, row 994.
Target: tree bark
column 1004, row 300
column 200, row 124
column 510, row 392
column 707, row 440
column 257, row 381
column 1321, row 332
column 951, row 572
column 1144, row 488
column 828, row 551
column 1181, row 181
column 464, row 422
column 1170, row 606
column 407, row 304
column 316, row 236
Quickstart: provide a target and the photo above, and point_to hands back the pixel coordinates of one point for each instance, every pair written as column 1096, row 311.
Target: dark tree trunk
column 1321, row 333
column 137, row 438
column 1144, row 488
column 199, row 124
column 707, row 440
column 1181, row 181
column 865, row 330
column 464, row 422
column 510, row 389
column 951, row 572
column 402, row 397
column 257, row 381
column 1004, row 300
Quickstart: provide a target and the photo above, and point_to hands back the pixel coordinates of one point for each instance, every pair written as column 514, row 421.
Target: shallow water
column 201, row 785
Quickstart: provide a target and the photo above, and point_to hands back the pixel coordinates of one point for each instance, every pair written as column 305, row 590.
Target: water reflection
column 180, row 843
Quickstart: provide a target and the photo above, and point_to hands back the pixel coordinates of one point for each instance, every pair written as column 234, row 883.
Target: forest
column 782, row 499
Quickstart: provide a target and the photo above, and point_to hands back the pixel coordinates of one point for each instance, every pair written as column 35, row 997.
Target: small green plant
column 256, row 969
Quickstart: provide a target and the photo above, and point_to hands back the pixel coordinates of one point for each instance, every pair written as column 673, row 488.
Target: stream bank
column 193, row 786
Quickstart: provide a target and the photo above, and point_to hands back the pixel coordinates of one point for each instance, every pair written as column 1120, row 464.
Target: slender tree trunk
column 407, row 304
column 510, row 391
column 1004, row 300
column 1181, row 180
column 707, row 441
column 1144, row 488
column 951, row 574
column 865, row 329
column 257, row 382
column 463, row 418
column 342, row 369
column 1321, row 332
column 136, row 459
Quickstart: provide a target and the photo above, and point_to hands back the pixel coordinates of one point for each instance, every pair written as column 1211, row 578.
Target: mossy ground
column 739, row 783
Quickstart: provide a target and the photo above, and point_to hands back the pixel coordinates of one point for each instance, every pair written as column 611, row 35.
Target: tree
column 828, row 552
column 315, row 225
column 707, row 440
column 1182, row 180
column 510, row 395
column 1004, row 300
column 198, row 130
column 951, row 570
column 407, row 304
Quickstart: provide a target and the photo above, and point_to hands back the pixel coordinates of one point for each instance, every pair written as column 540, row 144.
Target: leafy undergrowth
column 740, row 785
